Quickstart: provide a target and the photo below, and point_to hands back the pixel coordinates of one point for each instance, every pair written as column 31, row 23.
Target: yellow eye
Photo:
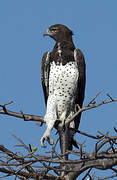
column 54, row 30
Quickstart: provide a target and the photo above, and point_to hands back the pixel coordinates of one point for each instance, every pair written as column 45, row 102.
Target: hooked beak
column 47, row 33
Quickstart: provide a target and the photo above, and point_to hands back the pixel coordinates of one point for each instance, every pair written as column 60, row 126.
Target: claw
column 46, row 137
column 50, row 140
column 42, row 142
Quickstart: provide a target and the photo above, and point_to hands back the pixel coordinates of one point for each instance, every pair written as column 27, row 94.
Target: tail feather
column 71, row 141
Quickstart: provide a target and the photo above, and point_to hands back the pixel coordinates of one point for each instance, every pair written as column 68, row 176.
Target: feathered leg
column 50, row 119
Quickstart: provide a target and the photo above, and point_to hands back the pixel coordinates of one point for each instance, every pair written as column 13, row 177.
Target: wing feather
column 45, row 69
column 79, row 58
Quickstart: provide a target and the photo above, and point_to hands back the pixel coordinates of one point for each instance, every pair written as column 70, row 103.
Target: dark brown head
column 59, row 33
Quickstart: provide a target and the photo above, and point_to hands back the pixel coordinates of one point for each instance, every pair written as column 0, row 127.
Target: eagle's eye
column 54, row 30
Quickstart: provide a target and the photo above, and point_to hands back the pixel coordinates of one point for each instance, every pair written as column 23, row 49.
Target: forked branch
column 36, row 166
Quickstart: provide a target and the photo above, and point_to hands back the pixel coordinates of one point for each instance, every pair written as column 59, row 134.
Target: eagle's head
column 59, row 32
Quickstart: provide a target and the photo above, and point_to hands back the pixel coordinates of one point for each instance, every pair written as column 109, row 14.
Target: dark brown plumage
column 64, row 56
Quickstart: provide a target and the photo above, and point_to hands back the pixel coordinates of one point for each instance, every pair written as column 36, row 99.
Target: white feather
column 62, row 88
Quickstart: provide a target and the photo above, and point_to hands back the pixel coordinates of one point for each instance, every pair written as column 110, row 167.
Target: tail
column 67, row 140
column 71, row 141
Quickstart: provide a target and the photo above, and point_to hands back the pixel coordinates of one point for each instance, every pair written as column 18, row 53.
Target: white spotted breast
column 63, row 83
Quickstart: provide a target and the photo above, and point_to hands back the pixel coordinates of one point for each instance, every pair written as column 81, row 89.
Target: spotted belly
column 62, row 88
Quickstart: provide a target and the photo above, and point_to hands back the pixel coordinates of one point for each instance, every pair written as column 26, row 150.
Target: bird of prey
column 63, row 80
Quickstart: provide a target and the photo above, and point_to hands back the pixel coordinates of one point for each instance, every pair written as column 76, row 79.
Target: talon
column 50, row 141
column 47, row 138
column 42, row 142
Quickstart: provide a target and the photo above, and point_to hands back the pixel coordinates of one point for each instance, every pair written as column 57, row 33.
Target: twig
column 23, row 115
column 115, row 129
column 28, row 117
column 85, row 108
column 81, row 149
column 115, row 170
column 22, row 143
column 4, row 106
column 87, row 174
column 96, row 146
column 97, row 159
column 92, row 100
column 110, row 97
column 88, row 135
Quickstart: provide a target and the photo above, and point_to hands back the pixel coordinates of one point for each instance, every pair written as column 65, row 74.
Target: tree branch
column 89, row 106
column 25, row 166
column 28, row 117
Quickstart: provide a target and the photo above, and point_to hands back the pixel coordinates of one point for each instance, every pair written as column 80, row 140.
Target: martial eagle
column 63, row 80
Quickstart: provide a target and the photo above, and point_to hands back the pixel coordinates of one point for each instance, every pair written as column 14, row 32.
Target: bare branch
column 92, row 100
column 28, row 117
column 38, row 166
column 110, row 97
column 87, row 174
column 89, row 135
column 87, row 107
column 22, row 143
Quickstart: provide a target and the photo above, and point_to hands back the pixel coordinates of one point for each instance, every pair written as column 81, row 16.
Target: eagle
column 63, row 75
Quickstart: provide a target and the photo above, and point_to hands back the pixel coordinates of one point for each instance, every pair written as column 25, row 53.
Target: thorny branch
column 35, row 166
